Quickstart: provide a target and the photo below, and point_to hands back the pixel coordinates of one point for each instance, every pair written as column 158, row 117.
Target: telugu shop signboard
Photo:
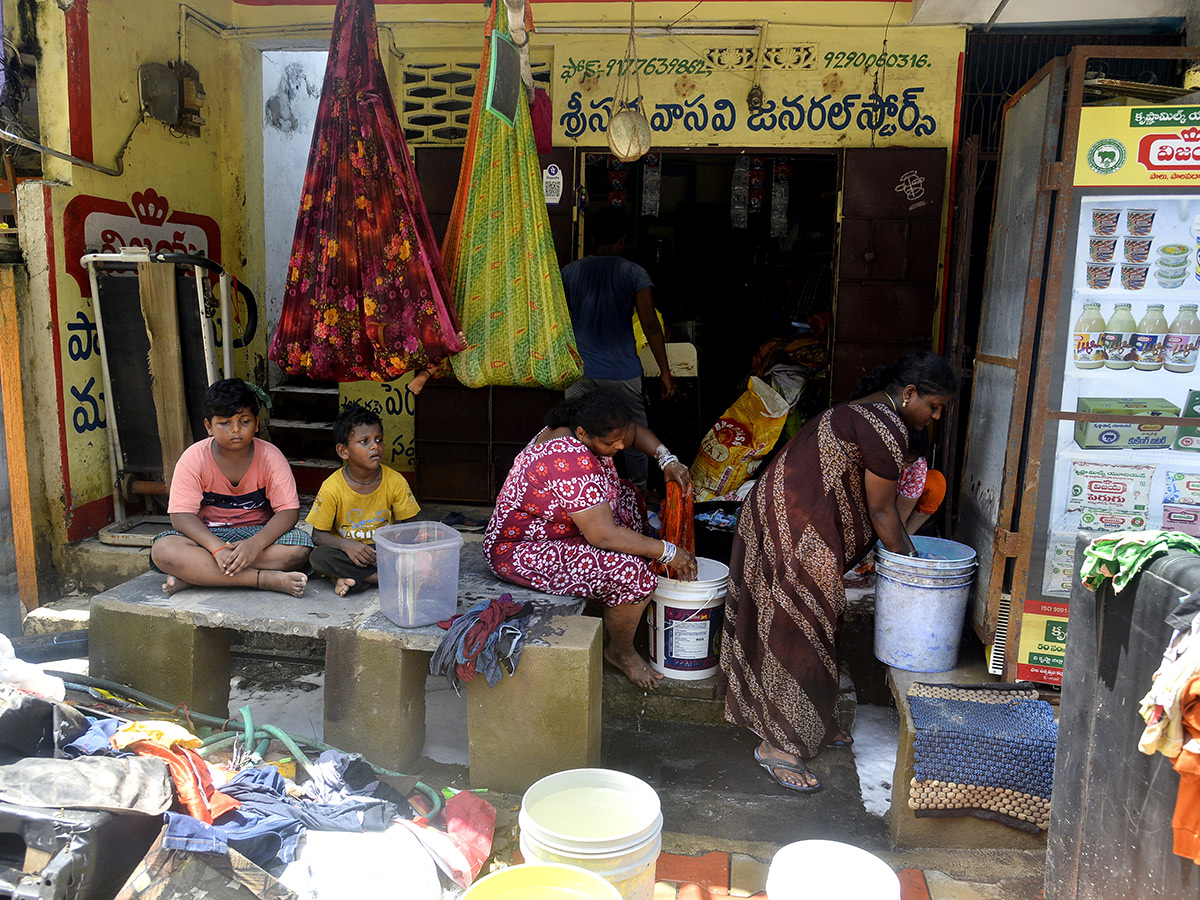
column 1141, row 146
column 820, row 87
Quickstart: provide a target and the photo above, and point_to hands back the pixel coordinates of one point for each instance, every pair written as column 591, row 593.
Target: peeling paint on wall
column 286, row 109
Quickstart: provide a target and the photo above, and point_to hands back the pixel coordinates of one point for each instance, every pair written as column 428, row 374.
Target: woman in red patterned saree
column 566, row 524
column 813, row 514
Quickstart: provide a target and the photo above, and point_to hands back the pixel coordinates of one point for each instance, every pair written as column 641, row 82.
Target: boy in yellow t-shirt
column 355, row 500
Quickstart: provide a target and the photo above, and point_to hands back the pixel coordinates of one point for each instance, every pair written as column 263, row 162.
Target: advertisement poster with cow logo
column 1125, row 447
column 1122, row 146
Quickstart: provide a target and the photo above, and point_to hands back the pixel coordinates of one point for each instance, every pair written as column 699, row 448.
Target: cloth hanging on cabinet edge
column 1120, row 556
column 366, row 295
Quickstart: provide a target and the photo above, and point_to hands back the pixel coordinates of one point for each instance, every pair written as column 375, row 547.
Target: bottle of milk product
column 1088, row 329
column 1117, row 339
column 1149, row 338
column 1183, row 341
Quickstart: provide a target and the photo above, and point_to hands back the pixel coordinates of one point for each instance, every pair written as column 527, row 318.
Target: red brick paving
column 913, row 885
column 710, row 871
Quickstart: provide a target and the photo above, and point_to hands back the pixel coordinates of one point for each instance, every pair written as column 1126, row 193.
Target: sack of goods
column 734, row 448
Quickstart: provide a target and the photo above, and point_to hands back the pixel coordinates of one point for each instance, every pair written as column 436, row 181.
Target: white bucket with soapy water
column 685, row 620
column 601, row 820
column 920, row 604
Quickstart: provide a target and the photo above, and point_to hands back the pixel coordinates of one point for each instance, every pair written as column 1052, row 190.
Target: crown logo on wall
column 151, row 207
column 1191, row 135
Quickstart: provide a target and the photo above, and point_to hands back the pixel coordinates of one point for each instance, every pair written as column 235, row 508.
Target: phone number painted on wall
column 842, row 59
column 615, row 68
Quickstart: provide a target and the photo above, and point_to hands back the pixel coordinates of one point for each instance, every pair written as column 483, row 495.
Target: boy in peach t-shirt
column 233, row 506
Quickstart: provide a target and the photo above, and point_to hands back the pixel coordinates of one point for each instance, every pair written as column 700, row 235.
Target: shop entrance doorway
column 741, row 249
column 745, row 247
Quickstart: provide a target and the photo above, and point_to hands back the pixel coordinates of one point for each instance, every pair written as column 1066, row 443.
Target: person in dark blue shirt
column 603, row 291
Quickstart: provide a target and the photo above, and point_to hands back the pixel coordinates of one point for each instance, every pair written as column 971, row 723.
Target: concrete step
column 698, row 702
column 303, row 439
column 310, row 474
column 304, row 402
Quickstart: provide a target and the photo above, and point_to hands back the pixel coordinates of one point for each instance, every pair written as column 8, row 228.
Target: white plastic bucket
column 604, row 821
column 685, row 620
column 920, row 604
column 808, row 869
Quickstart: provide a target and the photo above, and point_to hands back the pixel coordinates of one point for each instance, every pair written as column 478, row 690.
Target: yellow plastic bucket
column 542, row 881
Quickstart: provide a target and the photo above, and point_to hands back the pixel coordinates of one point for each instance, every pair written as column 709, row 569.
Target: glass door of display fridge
column 1125, row 360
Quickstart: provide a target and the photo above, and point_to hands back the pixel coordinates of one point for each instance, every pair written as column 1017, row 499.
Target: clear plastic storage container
column 418, row 572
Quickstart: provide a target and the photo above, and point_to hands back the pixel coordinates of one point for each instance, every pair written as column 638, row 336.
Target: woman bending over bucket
column 813, row 514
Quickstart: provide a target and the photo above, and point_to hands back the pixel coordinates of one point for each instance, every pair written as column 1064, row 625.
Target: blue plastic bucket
column 920, row 604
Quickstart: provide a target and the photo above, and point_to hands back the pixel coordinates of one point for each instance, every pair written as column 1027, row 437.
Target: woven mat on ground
column 983, row 750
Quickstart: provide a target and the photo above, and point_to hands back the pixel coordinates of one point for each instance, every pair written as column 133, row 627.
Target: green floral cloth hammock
column 499, row 255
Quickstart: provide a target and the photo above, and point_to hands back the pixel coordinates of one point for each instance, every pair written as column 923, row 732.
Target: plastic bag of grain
column 735, row 446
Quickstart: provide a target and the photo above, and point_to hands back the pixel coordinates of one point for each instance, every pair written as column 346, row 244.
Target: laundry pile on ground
column 126, row 793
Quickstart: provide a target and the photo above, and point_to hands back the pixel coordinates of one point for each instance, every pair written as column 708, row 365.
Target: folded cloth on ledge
column 983, row 750
column 486, row 638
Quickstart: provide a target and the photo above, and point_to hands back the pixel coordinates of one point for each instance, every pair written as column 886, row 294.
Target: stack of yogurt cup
column 1171, row 266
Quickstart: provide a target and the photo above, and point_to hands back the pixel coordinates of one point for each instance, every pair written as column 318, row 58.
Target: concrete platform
column 177, row 648
column 319, row 610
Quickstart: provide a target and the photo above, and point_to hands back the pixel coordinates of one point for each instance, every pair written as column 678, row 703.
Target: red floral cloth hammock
column 366, row 296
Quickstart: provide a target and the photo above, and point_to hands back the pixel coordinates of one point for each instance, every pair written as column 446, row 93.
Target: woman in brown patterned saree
column 814, row 513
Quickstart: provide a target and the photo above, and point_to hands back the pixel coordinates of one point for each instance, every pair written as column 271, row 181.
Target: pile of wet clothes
column 55, row 758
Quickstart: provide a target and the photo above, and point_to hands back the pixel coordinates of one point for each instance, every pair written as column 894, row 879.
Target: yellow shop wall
column 218, row 176
column 197, row 178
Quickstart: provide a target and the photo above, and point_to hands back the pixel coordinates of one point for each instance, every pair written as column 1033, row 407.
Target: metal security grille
column 437, row 99
column 997, row 65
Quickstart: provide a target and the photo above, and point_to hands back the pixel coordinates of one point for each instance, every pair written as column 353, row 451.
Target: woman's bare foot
column 292, row 583
column 418, row 382
column 342, row 586
column 635, row 668
column 173, row 585
column 788, row 769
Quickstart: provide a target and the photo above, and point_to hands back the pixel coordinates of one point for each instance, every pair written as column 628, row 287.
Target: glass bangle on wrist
column 668, row 554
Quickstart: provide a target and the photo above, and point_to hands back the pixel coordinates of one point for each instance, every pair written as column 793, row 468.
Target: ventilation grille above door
column 437, row 97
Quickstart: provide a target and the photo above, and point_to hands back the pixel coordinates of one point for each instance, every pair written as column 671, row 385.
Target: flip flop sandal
column 840, row 743
column 459, row 522
column 798, row 768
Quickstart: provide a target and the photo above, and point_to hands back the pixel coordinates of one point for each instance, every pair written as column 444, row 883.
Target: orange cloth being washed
column 679, row 523
column 1186, row 820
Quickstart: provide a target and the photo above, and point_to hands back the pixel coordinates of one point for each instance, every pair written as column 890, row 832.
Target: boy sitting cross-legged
column 233, row 506
column 354, row 501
